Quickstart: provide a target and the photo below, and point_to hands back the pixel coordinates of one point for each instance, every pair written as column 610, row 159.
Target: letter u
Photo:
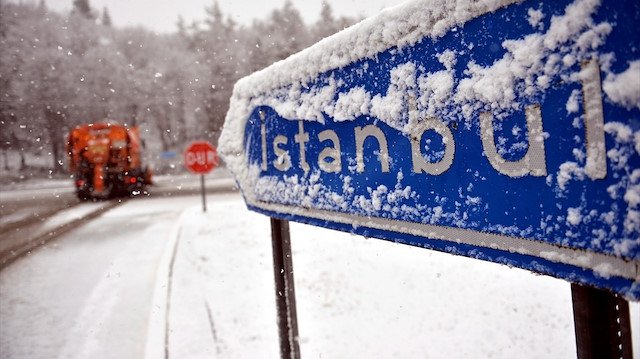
column 533, row 162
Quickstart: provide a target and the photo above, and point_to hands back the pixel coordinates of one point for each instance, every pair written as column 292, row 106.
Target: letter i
column 263, row 133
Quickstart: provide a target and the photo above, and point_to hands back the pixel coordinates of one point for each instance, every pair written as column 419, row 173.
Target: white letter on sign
column 191, row 159
column 283, row 161
column 419, row 164
column 200, row 158
column 596, row 167
column 335, row 165
column 263, row 135
column 301, row 138
column 361, row 135
column 533, row 162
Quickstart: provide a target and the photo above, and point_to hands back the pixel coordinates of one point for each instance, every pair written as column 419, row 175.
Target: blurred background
column 167, row 67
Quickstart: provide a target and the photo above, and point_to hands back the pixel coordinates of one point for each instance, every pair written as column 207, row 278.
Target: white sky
column 161, row 15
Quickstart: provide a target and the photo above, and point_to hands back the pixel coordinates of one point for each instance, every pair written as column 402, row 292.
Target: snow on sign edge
column 399, row 27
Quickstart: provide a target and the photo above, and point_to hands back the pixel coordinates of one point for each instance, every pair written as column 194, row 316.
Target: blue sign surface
column 168, row 154
column 510, row 135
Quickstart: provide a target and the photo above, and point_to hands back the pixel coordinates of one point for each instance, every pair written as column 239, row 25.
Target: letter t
column 301, row 138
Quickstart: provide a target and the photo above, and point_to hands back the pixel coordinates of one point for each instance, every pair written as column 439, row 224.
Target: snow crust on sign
column 624, row 88
column 530, row 65
column 527, row 69
column 401, row 26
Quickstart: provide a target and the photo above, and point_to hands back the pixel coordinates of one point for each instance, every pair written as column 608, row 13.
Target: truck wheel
column 83, row 195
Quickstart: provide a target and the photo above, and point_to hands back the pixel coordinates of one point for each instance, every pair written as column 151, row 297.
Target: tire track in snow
column 168, row 304
column 34, row 219
column 213, row 328
column 113, row 320
column 27, row 246
column 158, row 328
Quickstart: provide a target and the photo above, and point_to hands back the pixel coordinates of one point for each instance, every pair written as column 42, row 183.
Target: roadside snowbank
column 356, row 297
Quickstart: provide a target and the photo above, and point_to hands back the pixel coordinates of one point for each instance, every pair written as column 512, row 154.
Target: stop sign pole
column 202, row 191
column 201, row 157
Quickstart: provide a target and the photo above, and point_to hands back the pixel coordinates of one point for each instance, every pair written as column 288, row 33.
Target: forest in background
column 61, row 70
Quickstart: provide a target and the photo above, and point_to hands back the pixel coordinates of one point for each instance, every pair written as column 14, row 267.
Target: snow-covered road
column 88, row 294
column 101, row 292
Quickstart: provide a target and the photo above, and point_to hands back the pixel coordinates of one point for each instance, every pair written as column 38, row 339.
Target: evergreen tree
column 214, row 13
column 287, row 32
column 83, row 8
column 182, row 28
column 326, row 14
column 106, row 18
column 326, row 25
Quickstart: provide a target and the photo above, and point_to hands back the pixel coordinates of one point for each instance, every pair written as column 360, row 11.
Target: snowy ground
column 101, row 292
column 29, row 187
column 36, row 196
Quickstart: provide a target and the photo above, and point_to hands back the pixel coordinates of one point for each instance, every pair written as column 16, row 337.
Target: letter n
column 361, row 134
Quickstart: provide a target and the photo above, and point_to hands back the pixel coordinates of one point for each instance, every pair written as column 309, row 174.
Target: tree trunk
column 162, row 123
column 55, row 123
column 5, row 154
column 182, row 122
column 23, row 162
column 133, row 110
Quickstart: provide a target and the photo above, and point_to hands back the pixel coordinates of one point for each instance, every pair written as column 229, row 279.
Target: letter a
column 335, row 165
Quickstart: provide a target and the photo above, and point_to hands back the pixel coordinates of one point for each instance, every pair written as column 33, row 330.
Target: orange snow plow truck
column 104, row 159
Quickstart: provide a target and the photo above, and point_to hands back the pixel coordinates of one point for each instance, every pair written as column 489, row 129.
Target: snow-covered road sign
column 500, row 130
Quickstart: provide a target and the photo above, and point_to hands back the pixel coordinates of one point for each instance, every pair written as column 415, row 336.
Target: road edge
column 156, row 345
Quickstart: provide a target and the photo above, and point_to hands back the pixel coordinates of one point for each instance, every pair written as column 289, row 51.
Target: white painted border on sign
column 597, row 262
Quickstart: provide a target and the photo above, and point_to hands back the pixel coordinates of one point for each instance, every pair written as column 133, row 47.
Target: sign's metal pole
column 602, row 324
column 204, row 198
column 285, row 292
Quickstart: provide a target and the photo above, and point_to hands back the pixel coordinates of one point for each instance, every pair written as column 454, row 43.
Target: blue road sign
column 507, row 132
column 168, row 154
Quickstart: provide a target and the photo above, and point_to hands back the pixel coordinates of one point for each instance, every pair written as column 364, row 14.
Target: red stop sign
column 200, row 157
